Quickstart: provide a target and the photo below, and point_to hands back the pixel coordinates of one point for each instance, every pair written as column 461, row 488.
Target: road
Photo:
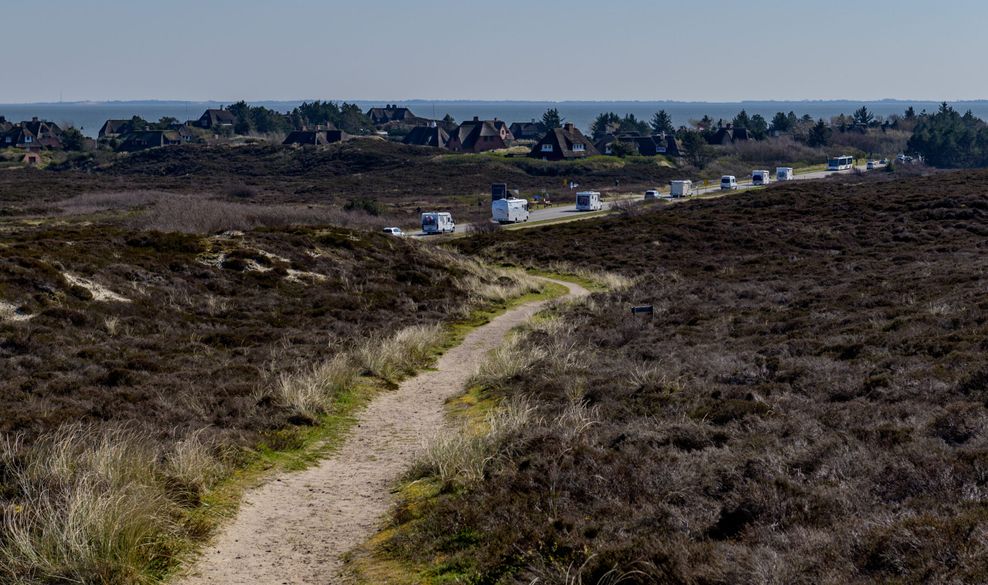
column 564, row 212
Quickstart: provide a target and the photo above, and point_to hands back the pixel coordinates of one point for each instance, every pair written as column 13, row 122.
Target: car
column 393, row 231
column 652, row 194
column 872, row 165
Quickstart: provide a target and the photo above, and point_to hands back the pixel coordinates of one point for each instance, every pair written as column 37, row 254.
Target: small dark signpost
column 643, row 310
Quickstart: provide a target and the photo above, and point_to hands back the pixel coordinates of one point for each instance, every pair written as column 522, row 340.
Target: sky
column 690, row 50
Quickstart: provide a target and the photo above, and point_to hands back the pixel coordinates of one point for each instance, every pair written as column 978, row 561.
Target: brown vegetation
column 807, row 404
column 138, row 366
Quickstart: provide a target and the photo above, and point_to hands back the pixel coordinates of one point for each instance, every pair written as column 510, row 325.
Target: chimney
column 476, row 118
column 568, row 126
column 34, row 119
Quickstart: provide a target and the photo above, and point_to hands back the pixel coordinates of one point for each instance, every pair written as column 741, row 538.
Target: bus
column 840, row 163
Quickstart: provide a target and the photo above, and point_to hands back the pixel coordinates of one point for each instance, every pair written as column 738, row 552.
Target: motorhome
column 437, row 222
column 588, row 201
column 509, row 210
column 840, row 163
column 728, row 183
column 680, row 188
column 759, row 178
column 783, row 174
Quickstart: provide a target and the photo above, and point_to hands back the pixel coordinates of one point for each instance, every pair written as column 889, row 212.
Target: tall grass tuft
column 88, row 507
column 461, row 456
column 392, row 358
column 311, row 393
column 504, row 363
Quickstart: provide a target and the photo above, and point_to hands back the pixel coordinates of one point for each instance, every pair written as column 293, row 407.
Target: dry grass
column 97, row 506
column 394, row 357
column 311, row 392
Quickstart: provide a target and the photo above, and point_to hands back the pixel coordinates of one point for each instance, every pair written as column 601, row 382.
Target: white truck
column 509, row 210
column 728, row 183
column 588, row 201
column 437, row 222
column 759, row 178
column 783, row 174
column 680, row 188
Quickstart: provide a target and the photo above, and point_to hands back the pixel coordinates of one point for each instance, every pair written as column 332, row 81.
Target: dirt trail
column 296, row 528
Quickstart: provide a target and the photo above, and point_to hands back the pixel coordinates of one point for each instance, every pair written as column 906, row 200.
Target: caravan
column 783, row 174
column 759, row 178
column 680, row 188
column 588, row 201
column 437, row 222
column 509, row 210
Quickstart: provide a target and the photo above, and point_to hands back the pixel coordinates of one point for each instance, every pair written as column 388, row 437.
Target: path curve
column 296, row 528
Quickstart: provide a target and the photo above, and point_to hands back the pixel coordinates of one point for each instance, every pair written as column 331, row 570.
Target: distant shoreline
column 889, row 101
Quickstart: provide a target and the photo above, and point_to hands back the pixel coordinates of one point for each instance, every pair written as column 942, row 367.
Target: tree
column 622, row 149
column 819, row 134
column 603, row 122
column 863, row 117
column 632, row 125
column 138, row 124
column 449, row 120
column 742, row 120
column 950, row 140
column 662, row 123
column 758, row 127
column 696, row 151
column 781, row 123
column 164, row 123
column 72, row 139
column 910, row 113
column 551, row 119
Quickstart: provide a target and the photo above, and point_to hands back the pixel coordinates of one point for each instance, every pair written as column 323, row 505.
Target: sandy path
column 295, row 528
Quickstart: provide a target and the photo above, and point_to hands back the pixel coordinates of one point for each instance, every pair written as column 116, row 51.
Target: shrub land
column 806, row 405
column 140, row 367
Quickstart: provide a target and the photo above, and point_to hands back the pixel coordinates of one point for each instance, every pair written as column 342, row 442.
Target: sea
column 89, row 116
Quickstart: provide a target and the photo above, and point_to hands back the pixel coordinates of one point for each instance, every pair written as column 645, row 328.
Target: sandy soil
column 296, row 528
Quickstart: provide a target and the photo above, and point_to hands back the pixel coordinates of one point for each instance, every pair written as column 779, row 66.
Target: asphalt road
column 562, row 212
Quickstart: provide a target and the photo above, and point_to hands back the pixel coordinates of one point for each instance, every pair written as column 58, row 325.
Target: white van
column 437, row 222
column 509, row 210
column 588, row 201
column 728, row 183
column 783, row 174
column 759, row 178
column 680, row 188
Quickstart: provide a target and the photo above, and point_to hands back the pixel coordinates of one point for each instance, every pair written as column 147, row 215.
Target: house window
column 547, row 148
column 28, row 139
column 578, row 148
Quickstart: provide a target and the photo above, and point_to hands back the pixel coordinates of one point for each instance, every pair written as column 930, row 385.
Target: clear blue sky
column 708, row 50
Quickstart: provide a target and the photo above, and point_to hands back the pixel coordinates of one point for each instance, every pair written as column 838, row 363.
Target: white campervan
column 728, row 183
column 509, row 210
column 759, row 178
column 440, row 222
column 680, row 188
column 588, row 201
column 783, row 174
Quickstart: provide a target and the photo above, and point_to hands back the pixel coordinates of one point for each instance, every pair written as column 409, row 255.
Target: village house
column 665, row 144
column 31, row 159
column 145, row 139
column 728, row 135
column 480, row 136
column 432, row 135
column 563, row 143
column 114, row 128
column 319, row 137
column 392, row 116
column 216, row 120
column 33, row 135
column 527, row 130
